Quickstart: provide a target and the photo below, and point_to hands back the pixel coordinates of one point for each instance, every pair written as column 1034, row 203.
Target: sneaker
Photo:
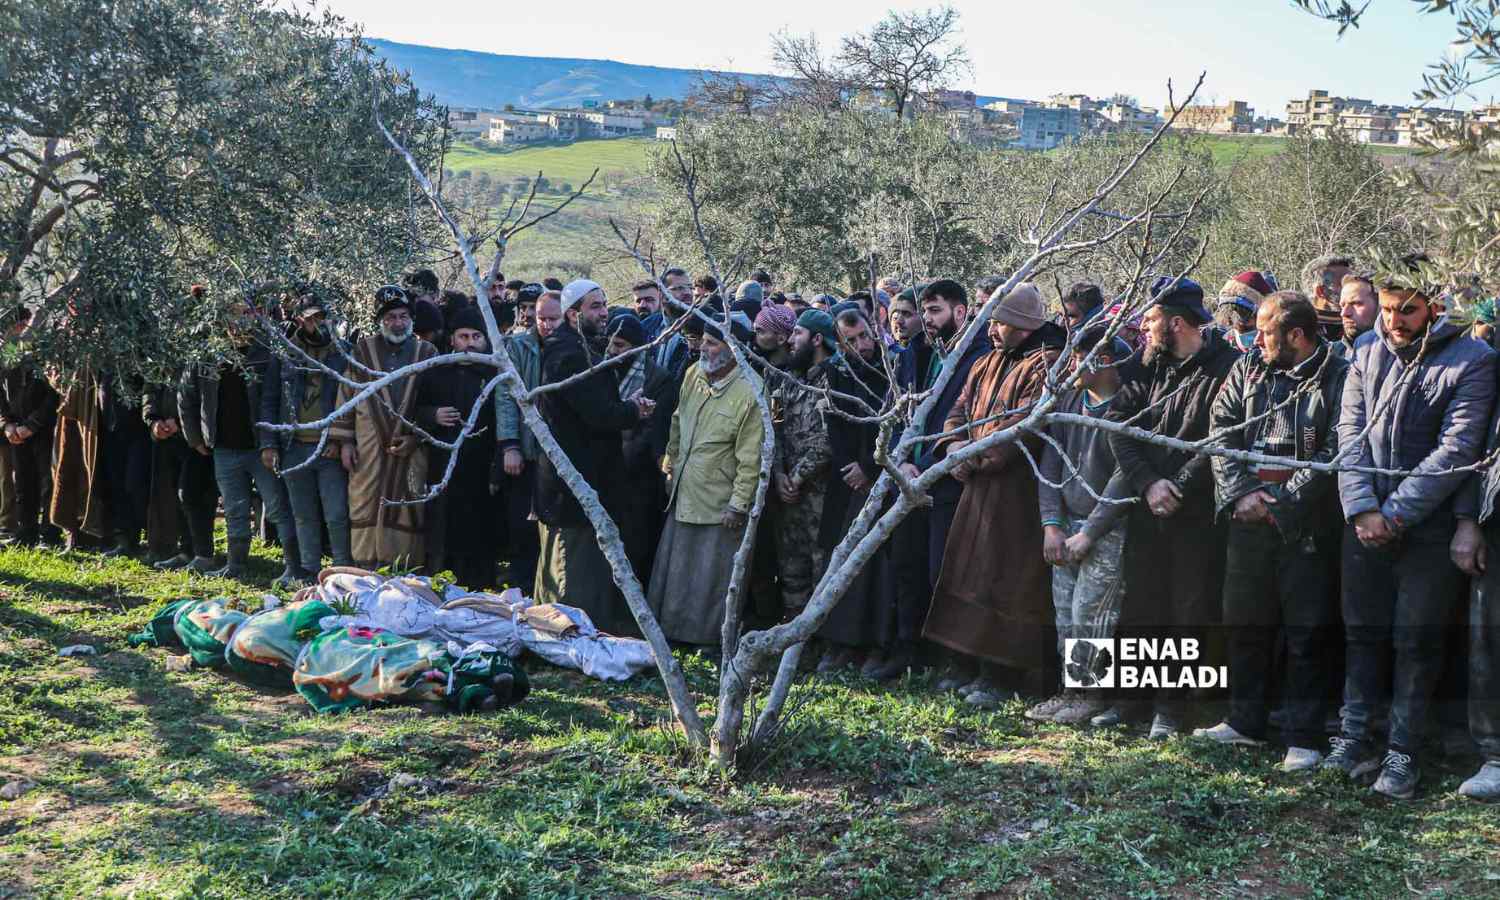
column 1300, row 759
column 1484, row 785
column 1047, row 709
column 172, row 563
column 1163, row 727
column 1225, row 733
column 1084, row 708
column 1354, row 758
column 1107, row 719
column 1398, row 776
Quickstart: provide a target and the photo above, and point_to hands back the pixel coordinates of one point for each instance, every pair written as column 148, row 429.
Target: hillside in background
column 491, row 80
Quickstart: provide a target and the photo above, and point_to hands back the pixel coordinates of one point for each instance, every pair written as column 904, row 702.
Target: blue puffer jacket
column 1428, row 420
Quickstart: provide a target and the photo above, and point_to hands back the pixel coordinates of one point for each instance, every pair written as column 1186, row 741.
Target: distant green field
column 1229, row 149
column 558, row 162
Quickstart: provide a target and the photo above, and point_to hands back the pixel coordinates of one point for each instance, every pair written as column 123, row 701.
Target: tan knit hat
column 1023, row 307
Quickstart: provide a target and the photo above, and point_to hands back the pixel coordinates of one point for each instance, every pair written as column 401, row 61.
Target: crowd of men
column 1354, row 598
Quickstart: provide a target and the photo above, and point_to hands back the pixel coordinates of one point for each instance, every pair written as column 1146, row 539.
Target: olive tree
column 147, row 145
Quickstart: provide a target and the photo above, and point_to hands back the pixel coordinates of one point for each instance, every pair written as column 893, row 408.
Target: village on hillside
column 995, row 121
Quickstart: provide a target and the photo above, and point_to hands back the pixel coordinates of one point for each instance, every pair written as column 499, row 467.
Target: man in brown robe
column 992, row 599
column 385, row 460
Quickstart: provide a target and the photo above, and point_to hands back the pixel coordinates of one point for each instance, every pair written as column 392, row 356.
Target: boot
column 239, row 559
column 292, row 576
column 171, row 563
column 202, row 565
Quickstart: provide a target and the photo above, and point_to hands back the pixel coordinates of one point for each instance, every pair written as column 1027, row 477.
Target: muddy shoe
column 1048, row 709
column 1354, row 758
column 202, row 565
column 1163, row 727
column 1399, row 774
column 1484, row 785
column 953, row 679
column 173, row 563
column 1084, row 707
column 1225, row 733
column 1300, row 759
column 836, row 658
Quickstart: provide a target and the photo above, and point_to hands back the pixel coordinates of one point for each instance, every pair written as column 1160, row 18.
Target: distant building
column 1123, row 118
column 1320, row 114
column 1234, row 118
column 612, row 125
column 470, row 120
column 516, row 130
column 1045, row 127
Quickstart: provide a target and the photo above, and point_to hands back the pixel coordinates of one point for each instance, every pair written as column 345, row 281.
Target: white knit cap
column 577, row 290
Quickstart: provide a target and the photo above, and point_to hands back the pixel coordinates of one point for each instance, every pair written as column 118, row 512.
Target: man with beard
column 446, row 397
column 672, row 353
column 773, row 331
column 220, row 408
column 991, row 601
column 587, row 419
column 906, row 318
column 384, row 459
column 527, row 295
column 647, row 304
column 1358, row 310
column 799, row 470
column 945, row 314
column 1418, row 397
column 863, row 621
column 300, row 394
column 518, row 448
column 1174, row 547
column 713, row 463
column 643, row 494
column 1281, row 400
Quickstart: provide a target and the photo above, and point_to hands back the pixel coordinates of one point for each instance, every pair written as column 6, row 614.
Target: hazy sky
column 1263, row 51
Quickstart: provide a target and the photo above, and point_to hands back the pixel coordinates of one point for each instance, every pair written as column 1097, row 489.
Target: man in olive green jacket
column 713, row 461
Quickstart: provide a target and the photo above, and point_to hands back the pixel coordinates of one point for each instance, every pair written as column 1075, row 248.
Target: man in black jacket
column 586, row 419
column 1282, row 399
column 28, row 411
column 1174, row 549
column 945, row 312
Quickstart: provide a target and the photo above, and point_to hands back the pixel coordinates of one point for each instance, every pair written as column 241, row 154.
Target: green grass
column 559, row 162
column 193, row 784
column 1229, row 149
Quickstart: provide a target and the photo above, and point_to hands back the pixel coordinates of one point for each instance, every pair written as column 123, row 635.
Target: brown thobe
column 381, row 534
column 993, row 598
column 77, row 504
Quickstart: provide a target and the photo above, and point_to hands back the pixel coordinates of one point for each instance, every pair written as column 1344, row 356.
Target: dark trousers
column 1484, row 652
column 524, row 547
column 125, row 457
column 31, row 467
column 1399, row 602
column 197, row 493
column 1174, row 576
column 908, row 553
column 939, row 523
column 1274, row 589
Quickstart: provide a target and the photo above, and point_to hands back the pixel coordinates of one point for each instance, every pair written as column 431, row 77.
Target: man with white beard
column 383, row 458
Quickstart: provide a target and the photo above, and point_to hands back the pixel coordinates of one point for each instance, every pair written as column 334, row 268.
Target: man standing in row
column 799, row 472
column 586, row 418
column 995, row 606
column 713, row 461
column 384, row 459
column 1282, row 399
column 1174, row 548
column 1418, row 397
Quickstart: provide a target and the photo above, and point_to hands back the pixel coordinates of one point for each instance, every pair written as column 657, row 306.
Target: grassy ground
column 156, row 782
column 1227, row 150
column 559, row 162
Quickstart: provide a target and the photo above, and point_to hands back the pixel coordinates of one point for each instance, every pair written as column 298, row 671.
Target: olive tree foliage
column 147, row 145
column 1458, row 211
column 836, row 189
column 1317, row 196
